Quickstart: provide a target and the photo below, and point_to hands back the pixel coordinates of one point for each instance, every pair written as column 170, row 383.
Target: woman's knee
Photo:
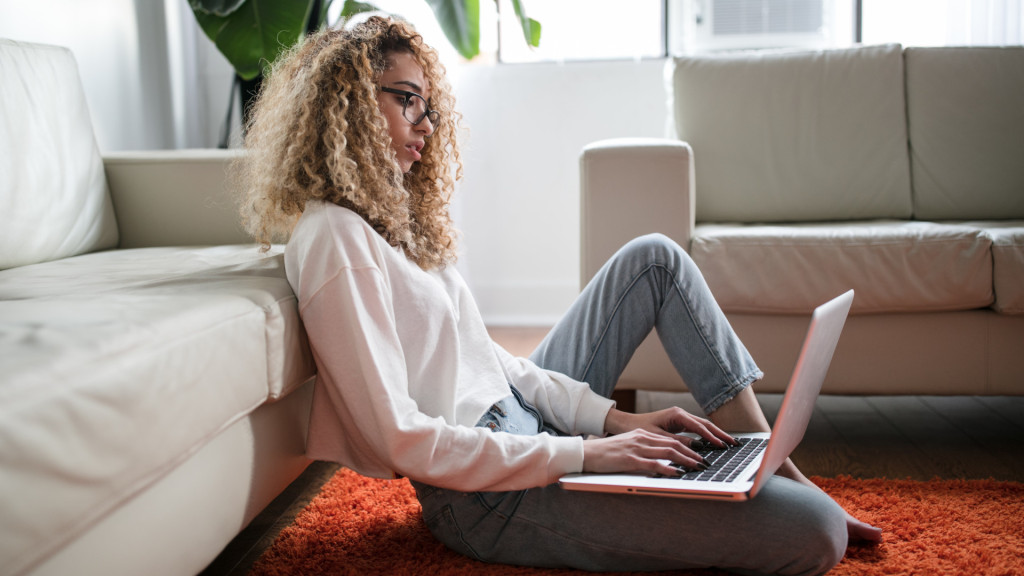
column 654, row 241
column 824, row 536
column 654, row 249
column 804, row 530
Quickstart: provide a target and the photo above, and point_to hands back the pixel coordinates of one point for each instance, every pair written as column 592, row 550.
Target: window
column 584, row 30
column 739, row 17
column 605, row 29
column 576, row 30
column 942, row 22
column 717, row 25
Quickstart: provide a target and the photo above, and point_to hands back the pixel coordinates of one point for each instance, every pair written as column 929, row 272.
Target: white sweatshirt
column 406, row 368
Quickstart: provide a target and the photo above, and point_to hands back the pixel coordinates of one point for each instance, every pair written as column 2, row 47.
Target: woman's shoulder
column 326, row 220
column 326, row 228
column 319, row 213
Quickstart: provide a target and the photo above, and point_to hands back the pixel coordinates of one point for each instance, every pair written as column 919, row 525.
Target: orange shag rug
column 359, row 525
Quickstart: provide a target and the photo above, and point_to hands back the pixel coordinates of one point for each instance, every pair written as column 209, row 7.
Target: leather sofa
column 793, row 176
column 155, row 381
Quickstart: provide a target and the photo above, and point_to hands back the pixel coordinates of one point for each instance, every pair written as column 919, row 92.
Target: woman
column 352, row 152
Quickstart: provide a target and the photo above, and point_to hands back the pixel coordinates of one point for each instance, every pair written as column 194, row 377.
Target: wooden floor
column 919, row 437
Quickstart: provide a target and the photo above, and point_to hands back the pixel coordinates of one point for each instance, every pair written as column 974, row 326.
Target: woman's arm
column 363, row 389
column 565, row 404
column 636, row 442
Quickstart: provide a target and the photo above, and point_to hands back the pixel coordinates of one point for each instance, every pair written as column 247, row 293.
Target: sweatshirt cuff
column 592, row 412
column 567, row 458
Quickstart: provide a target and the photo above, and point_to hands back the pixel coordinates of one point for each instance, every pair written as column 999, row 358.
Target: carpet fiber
column 359, row 525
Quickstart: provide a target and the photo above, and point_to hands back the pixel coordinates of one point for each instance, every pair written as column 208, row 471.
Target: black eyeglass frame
column 434, row 115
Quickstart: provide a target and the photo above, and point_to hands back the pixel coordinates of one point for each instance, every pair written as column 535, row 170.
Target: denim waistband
column 514, row 415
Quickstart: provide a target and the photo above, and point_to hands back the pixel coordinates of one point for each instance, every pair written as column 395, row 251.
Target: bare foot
column 743, row 414
column 858, row 531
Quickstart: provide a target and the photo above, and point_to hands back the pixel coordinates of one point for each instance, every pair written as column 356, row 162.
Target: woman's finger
column 709, row 431
column 673, row 449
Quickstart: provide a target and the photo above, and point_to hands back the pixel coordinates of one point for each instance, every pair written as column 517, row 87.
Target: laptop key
column 726, row 464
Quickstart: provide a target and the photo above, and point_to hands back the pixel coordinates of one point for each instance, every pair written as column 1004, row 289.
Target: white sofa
column 155, row 380
column 796, row 175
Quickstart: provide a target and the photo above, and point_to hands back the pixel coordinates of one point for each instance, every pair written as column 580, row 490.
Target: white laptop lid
column 819, row 344
column 804, row 385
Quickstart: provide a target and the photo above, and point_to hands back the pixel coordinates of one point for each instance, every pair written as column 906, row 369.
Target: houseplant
column 251, row 34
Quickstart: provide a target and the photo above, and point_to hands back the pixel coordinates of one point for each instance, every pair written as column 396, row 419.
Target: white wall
column 518, row 206
column 152, row 79
column 121, row 49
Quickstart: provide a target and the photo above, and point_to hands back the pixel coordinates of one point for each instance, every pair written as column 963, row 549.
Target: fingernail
column 702, row 466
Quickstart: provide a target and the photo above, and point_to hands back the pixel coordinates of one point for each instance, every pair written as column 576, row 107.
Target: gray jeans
column 651, row 283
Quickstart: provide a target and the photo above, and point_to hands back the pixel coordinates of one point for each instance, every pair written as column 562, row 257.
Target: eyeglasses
column 414, row 107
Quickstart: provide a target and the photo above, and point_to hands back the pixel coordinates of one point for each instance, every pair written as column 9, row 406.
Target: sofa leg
column 625, row 400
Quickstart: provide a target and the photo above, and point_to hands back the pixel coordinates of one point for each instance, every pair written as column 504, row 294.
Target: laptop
column 760, row 454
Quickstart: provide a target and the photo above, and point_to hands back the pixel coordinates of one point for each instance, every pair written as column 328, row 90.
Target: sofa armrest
column 630, row 187
column 174, row 198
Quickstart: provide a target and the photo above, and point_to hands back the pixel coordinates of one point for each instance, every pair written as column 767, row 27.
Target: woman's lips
column 414, row 151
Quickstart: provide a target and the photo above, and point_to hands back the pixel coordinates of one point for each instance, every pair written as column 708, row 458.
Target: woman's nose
column 425, row 127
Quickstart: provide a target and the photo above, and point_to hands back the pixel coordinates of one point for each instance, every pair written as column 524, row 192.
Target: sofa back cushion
column 795, row 136
column 54, row 201
column 965, row 109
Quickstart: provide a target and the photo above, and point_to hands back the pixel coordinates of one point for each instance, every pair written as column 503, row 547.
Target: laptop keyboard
column 726, row 464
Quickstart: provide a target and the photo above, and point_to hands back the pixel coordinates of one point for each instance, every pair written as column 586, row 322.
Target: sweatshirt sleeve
column 365, row 418
column 567, row 404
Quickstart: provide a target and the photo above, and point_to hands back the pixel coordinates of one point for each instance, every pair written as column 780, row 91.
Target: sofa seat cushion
column 116, row 366
column 894, row 266
column 236, row 271
column 1007, row 262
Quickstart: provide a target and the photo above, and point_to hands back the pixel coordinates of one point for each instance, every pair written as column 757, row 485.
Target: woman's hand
column 638, row 451
column 643, row 442
column 667, row 422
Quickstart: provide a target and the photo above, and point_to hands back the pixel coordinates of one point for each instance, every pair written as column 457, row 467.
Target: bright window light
column 908, row 22
column 943, row 22
column 585, row 30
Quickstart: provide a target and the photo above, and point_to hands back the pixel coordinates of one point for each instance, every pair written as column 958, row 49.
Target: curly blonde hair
column 316, row 133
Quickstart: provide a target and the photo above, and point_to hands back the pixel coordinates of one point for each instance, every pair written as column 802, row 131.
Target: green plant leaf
column 253, row 36
column 321, row 18
column 215, row 7
column 351, row 8
column 460, row 21
column 531, row 28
